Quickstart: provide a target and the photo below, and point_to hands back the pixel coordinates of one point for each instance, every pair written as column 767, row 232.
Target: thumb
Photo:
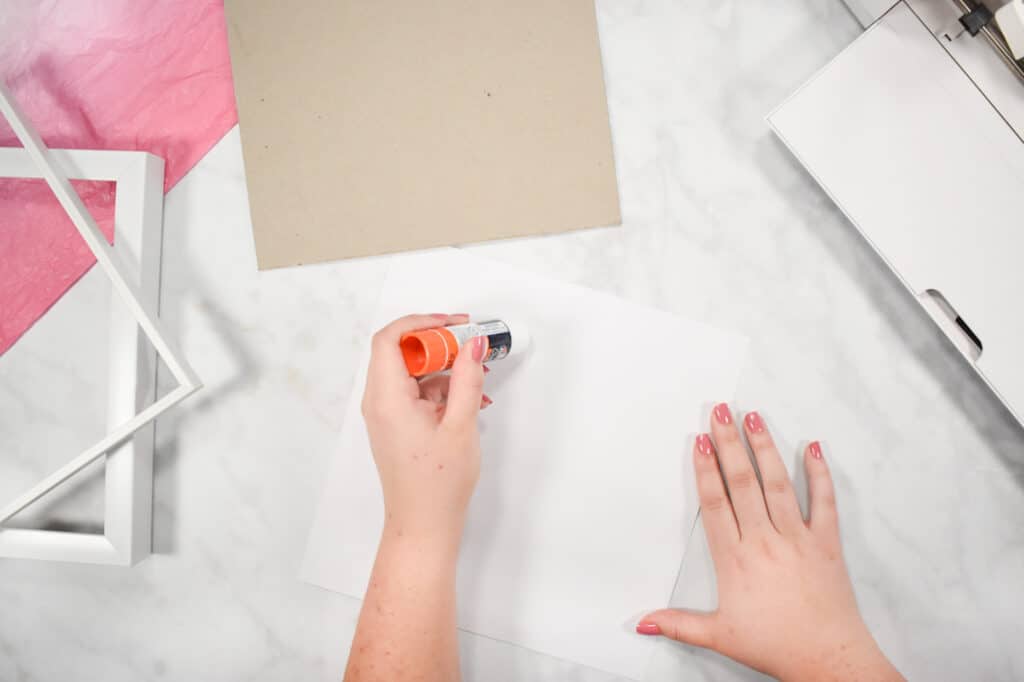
column 465, row 390
column 688, row 627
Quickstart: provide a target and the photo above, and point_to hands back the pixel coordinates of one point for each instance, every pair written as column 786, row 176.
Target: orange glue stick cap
column 428, row 351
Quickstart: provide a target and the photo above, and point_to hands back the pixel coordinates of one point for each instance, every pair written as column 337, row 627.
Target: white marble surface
column 721, row 224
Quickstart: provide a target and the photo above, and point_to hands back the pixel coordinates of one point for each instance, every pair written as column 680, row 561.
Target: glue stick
column 434, row 350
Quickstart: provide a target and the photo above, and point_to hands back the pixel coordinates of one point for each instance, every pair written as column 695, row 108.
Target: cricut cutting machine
column 919, row 139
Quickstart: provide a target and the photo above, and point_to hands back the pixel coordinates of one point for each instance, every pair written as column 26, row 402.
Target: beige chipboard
column 392, row 125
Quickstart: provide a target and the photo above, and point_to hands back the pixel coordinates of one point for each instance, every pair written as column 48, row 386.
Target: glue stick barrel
column 434, row 350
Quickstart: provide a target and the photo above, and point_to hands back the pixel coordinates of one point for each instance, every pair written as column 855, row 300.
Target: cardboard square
column 375, row 127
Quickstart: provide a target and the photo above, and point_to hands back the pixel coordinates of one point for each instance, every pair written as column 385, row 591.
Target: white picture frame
column 133, row 267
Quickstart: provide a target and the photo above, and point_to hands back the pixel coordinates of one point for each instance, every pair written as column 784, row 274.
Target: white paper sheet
column 586, row 496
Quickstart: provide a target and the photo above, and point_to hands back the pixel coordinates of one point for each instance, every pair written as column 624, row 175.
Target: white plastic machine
column 925, row 156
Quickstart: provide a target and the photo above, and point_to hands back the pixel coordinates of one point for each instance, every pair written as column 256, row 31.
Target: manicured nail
column 754, row 422
column 478, row 347
column 704, row 445
column 815, row 448
column 645, row 627
column 440, row 316
column 485, row 402
column 486, row 369
column 722, row 414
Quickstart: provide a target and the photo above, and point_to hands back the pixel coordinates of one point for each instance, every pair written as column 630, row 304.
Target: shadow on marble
column 49, row 512
column 61, row 526
column 166, row 450
column 59, row 510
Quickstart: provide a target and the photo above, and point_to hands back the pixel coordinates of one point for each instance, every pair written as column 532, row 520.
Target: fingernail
column 478, row 348
column 704, row 444
column 815, row 448
column 485, row 402
column 486, row 369
column 754, row 422
column 722, row 414
column 439, row 316
column 646, row 627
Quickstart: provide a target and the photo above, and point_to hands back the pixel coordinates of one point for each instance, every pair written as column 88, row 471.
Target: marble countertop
column 720, row 223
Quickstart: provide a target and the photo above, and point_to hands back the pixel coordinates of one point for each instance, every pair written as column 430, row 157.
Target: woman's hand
column 424, row 434
column 426, row 445
column 785, row 603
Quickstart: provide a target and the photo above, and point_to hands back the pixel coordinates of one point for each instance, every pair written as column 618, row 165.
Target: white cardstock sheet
column 586, row 496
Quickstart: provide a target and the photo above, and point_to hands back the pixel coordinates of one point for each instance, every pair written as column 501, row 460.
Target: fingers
column 744, row 489
column 715, row 508
column 779, row 496
column 386, row 364
column 466, row 387
column 824, row 518
column 435, row 389
column 688, row 627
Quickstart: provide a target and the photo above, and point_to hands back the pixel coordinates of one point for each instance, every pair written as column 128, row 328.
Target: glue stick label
column 499, row 337
column 427, row 351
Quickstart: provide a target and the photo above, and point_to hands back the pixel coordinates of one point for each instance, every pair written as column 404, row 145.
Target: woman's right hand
column 785, row 602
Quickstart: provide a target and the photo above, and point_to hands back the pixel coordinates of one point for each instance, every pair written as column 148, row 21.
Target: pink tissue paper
column 152, row 75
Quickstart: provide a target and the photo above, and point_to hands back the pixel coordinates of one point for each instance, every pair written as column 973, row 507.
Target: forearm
column 406, row 628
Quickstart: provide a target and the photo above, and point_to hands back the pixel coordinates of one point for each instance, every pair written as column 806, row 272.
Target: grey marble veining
column 722, row 224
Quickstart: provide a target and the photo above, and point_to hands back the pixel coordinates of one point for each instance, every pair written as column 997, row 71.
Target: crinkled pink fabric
column 152, row 75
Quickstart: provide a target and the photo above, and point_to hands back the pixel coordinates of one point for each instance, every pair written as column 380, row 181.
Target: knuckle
column 821, row 478
column 767, row 548
column 474, row 381
column 714, row 502
column 729, row 436
column 825, row 548
column 759, row 439
column 379, row 339
column 826, row 499
column 454, row 421
column 743, row 479
column 777, row 486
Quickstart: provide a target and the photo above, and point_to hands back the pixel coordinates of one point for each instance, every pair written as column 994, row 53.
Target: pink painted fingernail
column 485, row 402
column 478, row 348
column 645, row 627
column 815, row 449
column 754, row 422
column 704, row 445
column 722, row 414
column 439, row 316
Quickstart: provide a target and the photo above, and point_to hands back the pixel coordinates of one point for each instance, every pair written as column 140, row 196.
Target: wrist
column 850, row 658
column 423, row 535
